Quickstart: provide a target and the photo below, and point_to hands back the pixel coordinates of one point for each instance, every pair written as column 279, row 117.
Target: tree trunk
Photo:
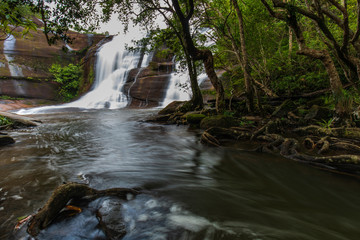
column 246, row 66
column 208, row 60
column 325, row 58
column 199, row 54
column 196, row 99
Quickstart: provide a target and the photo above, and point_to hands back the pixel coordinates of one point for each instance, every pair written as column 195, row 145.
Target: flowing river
column 190, row 191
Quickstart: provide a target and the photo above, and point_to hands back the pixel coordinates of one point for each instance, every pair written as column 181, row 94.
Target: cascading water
column 9, row 48
column 113, row 64
column 179, row 84
column 179, row 87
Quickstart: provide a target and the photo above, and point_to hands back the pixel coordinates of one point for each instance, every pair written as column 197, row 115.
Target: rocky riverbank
column 302, row 131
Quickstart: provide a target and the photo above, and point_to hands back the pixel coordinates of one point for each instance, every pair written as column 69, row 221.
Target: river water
column 190, row 191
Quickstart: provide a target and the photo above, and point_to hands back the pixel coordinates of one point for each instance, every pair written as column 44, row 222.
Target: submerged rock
column 110, row 217
column 6, row 140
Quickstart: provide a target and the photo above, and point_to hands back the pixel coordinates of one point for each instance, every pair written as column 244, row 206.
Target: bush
column 69, row 78
column 5, row 121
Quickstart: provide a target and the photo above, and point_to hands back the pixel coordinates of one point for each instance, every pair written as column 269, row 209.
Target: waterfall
column 112, row 68
column 179, row 88
column 113, row 64
column 9, row 48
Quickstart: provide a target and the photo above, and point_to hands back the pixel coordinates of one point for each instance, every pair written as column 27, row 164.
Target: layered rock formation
column 31, row 57
column 147, row 86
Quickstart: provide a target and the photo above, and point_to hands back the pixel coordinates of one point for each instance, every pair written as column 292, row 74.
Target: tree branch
column 357, row 33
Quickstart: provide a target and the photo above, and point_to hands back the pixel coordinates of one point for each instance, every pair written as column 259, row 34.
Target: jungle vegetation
column 265, row 49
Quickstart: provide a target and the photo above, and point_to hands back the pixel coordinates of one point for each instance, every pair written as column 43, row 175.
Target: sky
column 113, row 26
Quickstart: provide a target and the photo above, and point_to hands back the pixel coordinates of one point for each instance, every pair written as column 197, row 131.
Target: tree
column 14, row 14
column 245, row 61
column 79, row 13
column 204, row 55
column 344, row 46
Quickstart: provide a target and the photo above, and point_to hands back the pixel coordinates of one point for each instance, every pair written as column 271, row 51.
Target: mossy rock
column 218, row 121
column 194, row 118
column 171, row 108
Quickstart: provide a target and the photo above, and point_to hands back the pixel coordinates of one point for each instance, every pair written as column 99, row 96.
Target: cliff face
column 24, row 62
column 147, row 86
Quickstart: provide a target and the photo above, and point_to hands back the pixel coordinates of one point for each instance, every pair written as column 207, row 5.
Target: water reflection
column 191, row 191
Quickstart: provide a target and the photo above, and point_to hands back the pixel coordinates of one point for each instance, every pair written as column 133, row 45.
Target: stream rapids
column 191, row 191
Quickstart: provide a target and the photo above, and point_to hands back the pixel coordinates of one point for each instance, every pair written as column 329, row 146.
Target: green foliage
column 14, row 13
column 229, row 114
column 294, row 79
column 344, row 102
column 326, row 124
column 69, row 78
column 5, row 121
column 164, row 54
column 245, row 122
column 5, row 97
column 211, row 92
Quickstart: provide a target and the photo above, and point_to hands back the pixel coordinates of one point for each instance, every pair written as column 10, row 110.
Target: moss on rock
column 194, row 118
column 218, row 121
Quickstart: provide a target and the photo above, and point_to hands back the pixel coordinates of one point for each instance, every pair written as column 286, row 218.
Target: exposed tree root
column 291, row 149
column 62, row 195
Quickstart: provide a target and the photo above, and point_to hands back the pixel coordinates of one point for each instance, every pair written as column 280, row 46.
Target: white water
column 112, row 68
column 179, row 87
column 9, row 48
column 113, row 64
column 179, row 84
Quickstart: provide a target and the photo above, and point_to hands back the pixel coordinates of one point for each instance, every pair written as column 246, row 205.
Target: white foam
column 189, row 222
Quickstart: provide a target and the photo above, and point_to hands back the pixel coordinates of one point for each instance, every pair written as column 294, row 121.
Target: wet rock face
column 27, row 88
column 147, row 86
column 30, row 58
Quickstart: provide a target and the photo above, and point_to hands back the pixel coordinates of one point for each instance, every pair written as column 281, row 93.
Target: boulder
column 171, row 108
column 110, row 220
column 194, row 118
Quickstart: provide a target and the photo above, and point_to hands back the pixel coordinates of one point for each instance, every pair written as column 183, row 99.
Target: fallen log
column 21, row 120
column 62, row 195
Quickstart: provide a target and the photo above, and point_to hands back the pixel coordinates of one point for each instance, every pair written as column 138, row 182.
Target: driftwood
column 62, row 195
